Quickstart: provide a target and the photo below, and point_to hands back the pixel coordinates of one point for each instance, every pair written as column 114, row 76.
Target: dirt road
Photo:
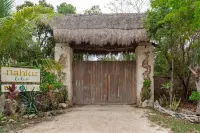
column 99, row 119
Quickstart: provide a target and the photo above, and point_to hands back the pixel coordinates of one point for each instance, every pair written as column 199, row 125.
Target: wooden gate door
column 104, row 82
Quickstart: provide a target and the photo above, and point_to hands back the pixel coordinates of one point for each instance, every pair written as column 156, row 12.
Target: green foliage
column 146, row 91
column 29, row 99
column 163, row 101
column 108, row 57
column 65, row 8
column 93, row 10
column 176, row 125
column 16, row 33
column 43, row 3
column 1, row 116
column 147, row 83
column 195, row 96
column 26, row 4
column 49, row 81
column 166, row 86
column 6, row 7
column 173, row 25
column 43, row 34
column 174, row 104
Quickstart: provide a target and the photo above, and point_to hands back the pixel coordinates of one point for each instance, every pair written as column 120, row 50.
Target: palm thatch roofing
column 102, row 33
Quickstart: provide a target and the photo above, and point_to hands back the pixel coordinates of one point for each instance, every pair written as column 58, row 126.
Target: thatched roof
column 108, row 31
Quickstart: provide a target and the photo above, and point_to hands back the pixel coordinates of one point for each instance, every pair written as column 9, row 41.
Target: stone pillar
column 64, row 55
column 144, row 70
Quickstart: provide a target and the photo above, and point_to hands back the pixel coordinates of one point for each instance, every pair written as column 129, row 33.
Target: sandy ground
column 99, row 119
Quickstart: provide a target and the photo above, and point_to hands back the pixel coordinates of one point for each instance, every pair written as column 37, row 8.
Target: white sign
column 21, row 88
column 23, row 75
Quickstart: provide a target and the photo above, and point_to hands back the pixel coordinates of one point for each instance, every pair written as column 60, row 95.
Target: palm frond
column 6, row 7
column 47, row 64
column 17, row 29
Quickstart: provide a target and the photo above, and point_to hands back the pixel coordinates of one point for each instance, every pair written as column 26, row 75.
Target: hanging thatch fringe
column 100, row 30
column 101, row 37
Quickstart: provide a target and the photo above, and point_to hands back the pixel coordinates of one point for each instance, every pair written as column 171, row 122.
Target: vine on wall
column 146, row 90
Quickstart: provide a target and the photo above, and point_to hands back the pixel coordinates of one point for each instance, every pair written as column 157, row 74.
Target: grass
column 176, row 125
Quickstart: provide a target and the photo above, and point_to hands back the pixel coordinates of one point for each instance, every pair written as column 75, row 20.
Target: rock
column 188, row 112
column 59, row 112
column 2, row 122
column 25, row 124
column 70, row 104
column 48, row 114
column 53, row 113
column 32, row 116
column 4, row 118
column 144, row 104
column 25, row 116
column 22, row 109
column 191, row 118
column 63, row 105
column 11, row 121
column 147, row 103
column 180, row 115
column 10, row 107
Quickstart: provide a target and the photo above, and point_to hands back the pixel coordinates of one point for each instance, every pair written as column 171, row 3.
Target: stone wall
column 64, row 55
column 191, row 118
column 144, row 70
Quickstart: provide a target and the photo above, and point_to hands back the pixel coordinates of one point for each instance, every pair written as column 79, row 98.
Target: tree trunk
column 198, row 90
column 172, row 82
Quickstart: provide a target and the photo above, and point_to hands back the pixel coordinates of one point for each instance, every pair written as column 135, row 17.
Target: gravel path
column 99, row 119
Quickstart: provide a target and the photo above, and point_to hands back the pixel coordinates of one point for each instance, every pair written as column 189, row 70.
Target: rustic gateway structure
column 103, row 82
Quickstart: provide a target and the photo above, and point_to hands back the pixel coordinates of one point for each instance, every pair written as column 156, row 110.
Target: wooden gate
column 104, row 82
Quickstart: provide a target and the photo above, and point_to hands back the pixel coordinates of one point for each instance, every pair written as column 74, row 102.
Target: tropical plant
column 174, row 104
column 174, row 25
column 12, row 92
column 146, row 91
column 43, row 34
column 1, row 116
column 21, row 47
column 29, row 99
column 26, row 4
column 49, row 81
column 164, row 101
column 65, row 8
column 195, row 96
column 6, row 7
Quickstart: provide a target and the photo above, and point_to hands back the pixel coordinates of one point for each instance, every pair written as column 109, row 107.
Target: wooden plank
column 104, row 82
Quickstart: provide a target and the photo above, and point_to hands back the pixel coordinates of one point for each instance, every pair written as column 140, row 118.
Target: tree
column 65, row 8
column 6, row 7
column 45, row 4
column 26, row 4
column 93, row 10
column 43, row 34
column 173, row 25
column 16, row 38
column 127, row 6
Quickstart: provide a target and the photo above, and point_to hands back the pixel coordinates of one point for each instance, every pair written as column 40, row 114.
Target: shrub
column 163, row 101
column 146, row 91
column 1, row 116
column 49, row 81
column 29, row 99
column 174, row 104
column 195, row 96
column 13, row 93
